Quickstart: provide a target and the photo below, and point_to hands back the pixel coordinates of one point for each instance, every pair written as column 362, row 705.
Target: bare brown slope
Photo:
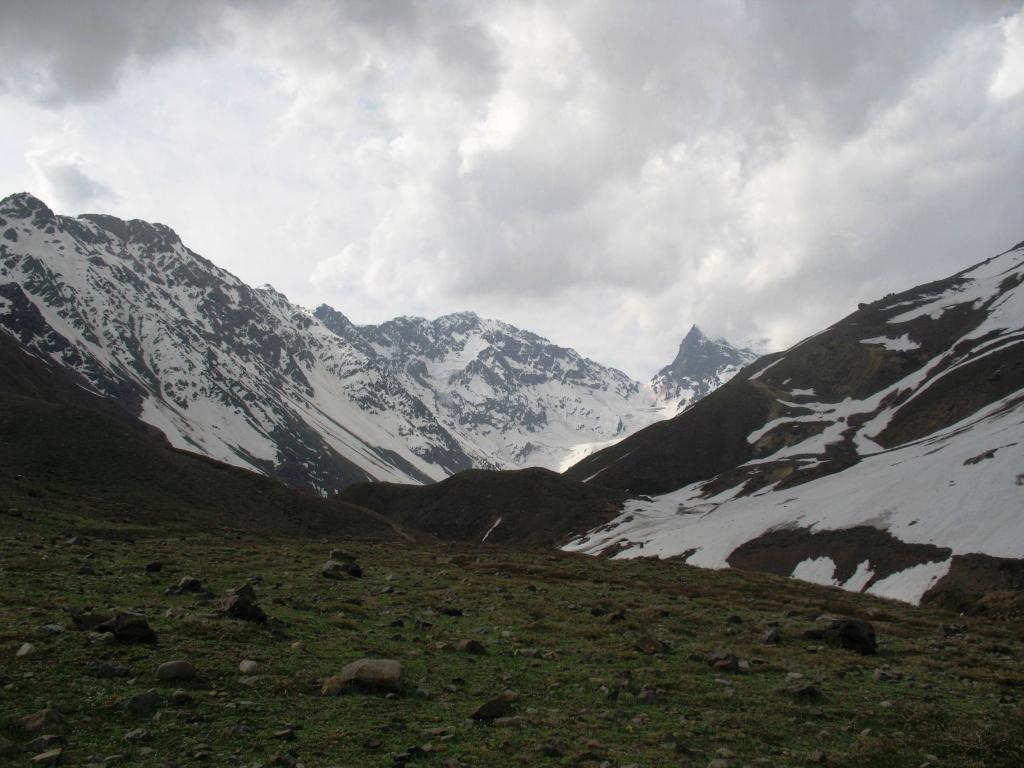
column 534, row 506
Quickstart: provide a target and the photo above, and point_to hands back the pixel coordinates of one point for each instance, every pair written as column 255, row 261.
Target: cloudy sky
column 603, row 173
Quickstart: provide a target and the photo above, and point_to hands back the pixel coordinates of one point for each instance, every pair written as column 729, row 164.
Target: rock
column 857, row 635
column 52, row 629
column 853, row 634
column 366, row 674
column 180, row 698
column 247, row 667
column 52, row 757
column 155, row 567
column 8, row 748
column 44, row 743
column 342, row 555
column 175, row 670
column 495, row 708
column 804, row 694
column 242, row 608
column 83, row 621
column 472, row 646
column 650, row 645
column 772, row 636
column 249, row 681
column 246, row 591
column 723, row 661
column 44, row 720
column 143, row 704
column 128, row 628
column 26, row 649
column 337, row 569
column 190, row 584
column 175, row 612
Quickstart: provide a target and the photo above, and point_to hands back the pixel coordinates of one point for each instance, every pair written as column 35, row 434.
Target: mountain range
column 244, row 376
column 884, row 454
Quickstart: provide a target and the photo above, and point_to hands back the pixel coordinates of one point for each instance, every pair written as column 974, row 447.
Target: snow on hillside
column 959, row 486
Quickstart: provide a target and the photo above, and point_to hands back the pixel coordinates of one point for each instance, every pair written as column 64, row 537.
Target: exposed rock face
column 700, row 367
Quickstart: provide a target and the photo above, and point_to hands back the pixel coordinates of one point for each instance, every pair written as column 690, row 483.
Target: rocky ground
column 123, row 644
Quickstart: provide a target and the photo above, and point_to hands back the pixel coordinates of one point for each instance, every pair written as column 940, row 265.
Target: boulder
column 143, row 704
column 242, row 608
column 190, row 584
column 852, row 634
column 44, row 720
column 495, row 708
column 175, row 670
column 366, row 674
column 723, row 661
column 341, row 569
column 128, row 628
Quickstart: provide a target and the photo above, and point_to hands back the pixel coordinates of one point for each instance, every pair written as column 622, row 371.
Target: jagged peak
column 22, row 205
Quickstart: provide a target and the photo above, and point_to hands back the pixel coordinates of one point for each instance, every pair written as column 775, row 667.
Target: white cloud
column 604, row 174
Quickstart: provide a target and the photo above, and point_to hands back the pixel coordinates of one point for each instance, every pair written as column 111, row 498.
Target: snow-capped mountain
column 884, row 454
column 514, row 396
column 700, row 367
column 247, row 377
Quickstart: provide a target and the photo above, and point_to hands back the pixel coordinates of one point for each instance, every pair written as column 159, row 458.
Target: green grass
column 956, row 698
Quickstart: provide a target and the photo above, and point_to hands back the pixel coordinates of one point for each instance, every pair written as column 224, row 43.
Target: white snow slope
column 960, row 487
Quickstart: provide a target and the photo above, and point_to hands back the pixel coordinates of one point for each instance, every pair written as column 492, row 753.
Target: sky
column 602, row 173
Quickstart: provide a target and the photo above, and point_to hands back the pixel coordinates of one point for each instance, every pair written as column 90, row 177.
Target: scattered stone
column 52, row 629
column 155, row 567
column 177, row 612
column 472, row 646
column 341, row 569
column 247, row 666
column 619, row 615
column 242, row 608
column 26, row 649
column 87, row 621
column 52, row 757
column 143, row 704
column 495, row 708
column 287, row 734
column 128, row 628
column 175, row 670
column 650, row 645
column 804, row 694
column 246, row 591
column 853, row 634
column 723, row 661
column 249, row 681
column 44, row 720
column 366, row 674
column 772, row 636
column 136, row 734
column 189, row 584
column 44, row 743
column 180, row 698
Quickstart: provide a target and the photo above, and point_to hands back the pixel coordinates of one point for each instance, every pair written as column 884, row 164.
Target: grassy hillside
column 606, row 659
column 75, row 459
column 529, row 507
